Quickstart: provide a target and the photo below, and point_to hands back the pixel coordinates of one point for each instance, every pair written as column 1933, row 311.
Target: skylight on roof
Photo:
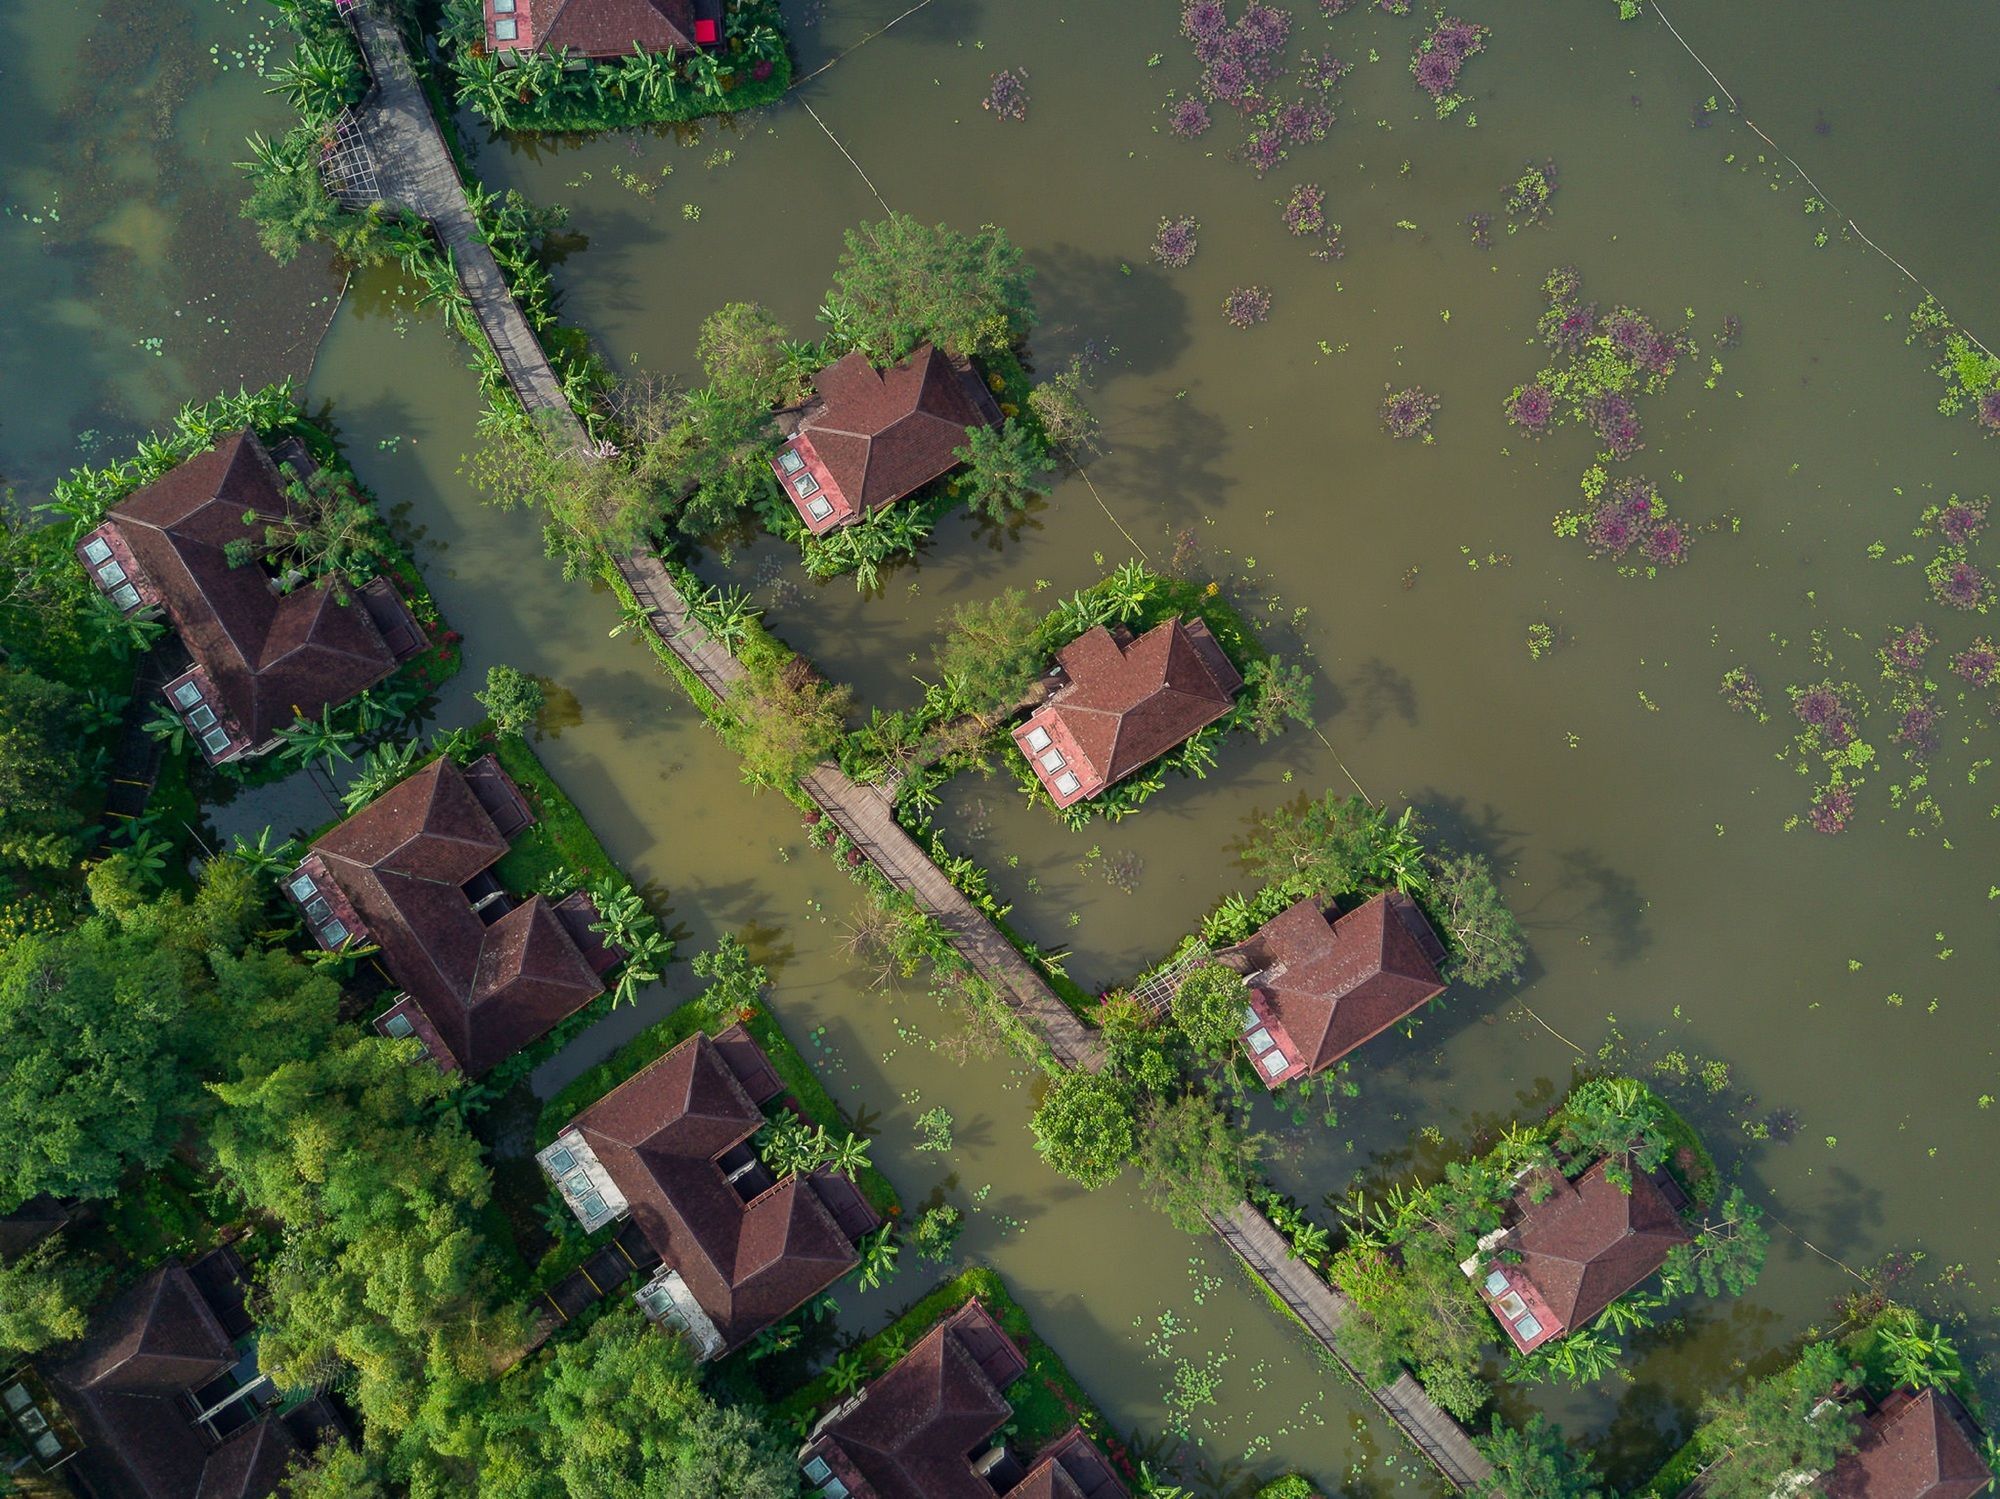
column 396, row 1027
column 1260, row 1041
column 1273, row 1063
column 790, row 461
column 333, row 933
column 215, row 741
column 97, row 549
column 187, row 694
column 1038, row 739
column 1067, row 782
column 203, row 717
column 302, row 886
column 1052, row 759
column 1528, row 1327
column 1496, row 1283
column 804, row 484
column 817, row 1471
column 506, row 30
column 819, row 507
column 125, row 596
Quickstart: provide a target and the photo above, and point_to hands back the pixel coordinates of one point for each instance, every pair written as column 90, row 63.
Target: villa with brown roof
column 1124, row 703
column 670, row 1148
column 1918, row 1444
column 262, row 658
column 163, row 1400
column 924, row 1429
column 869, row 437
column 482, row 974
column 1319, row 984
column 599, row 29
column 1567, row 1257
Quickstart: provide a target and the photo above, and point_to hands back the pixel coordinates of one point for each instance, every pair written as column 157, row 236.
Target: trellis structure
column 1154, row 994
column 347, row 166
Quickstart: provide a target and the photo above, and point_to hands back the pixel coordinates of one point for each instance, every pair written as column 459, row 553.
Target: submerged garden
column 1520, row 684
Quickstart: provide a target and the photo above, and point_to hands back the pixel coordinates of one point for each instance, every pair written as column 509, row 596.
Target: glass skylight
column 820, row 508
column 790, row 461
column 215, row 741
column 503, row 7
column 1067, row 782
column 111, row 573
column 303, row 886
column 506, row 30
column 125, row 596
column 1260, row 1041
column 188, row 694
column 1273, row 1063
column 398, row 1026
column 202, row 718
column 16, row 1396
column 1496, row 1284
column 1052, row 759
column 97, row 549
column 804, row 484
column 1038, row 739
column 333, row 933
column 817, row 1471
column 1528, row 1327
column 560, row 1160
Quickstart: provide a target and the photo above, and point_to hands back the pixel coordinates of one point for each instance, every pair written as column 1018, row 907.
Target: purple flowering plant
column 1174, row 245
column 1247, row 306
column 1408, row 413
column 1441, row 56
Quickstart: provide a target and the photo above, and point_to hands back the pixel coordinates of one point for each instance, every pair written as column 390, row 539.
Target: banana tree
column 847, row 1373
column 1128, row 590
column 146, row 849
column 847, row 1156
column 167, row 726
column 633, row 616
column 381, row 768
column 706, row 70
column 878, row 1258
column 265, row 857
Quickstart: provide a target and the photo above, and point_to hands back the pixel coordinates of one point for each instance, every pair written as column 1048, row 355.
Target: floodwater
column 1849, row 983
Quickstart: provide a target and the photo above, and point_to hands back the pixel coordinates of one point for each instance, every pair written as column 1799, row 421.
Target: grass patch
column 1047, row 1399
column 559, row 846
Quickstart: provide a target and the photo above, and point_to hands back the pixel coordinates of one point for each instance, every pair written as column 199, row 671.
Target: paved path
column 416, row 172
column 1322, row 1309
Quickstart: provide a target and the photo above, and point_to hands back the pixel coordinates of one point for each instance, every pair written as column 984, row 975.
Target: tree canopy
column 1208, row 1009
column 1003, row 468
column 1760, row 1435
column 1193, row 1159
column 43, row 1298
column 900, row 283
column 43, row 729
column 1532, row 1461
column 1085, row 1129
column 991, row 652
column 512, row 699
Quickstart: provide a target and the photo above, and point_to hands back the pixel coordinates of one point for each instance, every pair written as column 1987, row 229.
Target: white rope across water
column 1736, row 108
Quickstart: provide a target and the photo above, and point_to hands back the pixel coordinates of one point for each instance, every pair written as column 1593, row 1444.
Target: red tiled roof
column 603, row 28
column 1334, row 984
column 1918, row 1446
column 271, row 657
column 882, row 433
column 402, row 861
column 915, row 1430
column 250, row 1464
column 122, row 1387
column 1127, row 702
column 1589, row 1243
column 1070, row 1467
column 659, row 1134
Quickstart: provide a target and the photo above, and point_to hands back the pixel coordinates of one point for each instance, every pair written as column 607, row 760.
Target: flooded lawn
column 1681, row 910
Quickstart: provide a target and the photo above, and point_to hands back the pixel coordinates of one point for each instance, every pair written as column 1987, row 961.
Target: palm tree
column 847, row 1156
column 308, row 739
column 319, row 81
column 263, row 856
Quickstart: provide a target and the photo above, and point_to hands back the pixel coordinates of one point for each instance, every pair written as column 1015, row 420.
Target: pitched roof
column 659, row 1134
column 1127, row 702
column 1335, row 982
column 883, row 433
column 250, row 1464
column 121, row 1388
column 402, row 861
column 913, row 1433
column 271, row 657
column 1589, row 1243
column 609, row 28
column 1916, row 1447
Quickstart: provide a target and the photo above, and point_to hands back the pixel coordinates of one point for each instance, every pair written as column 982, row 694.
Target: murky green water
column 1850, row 981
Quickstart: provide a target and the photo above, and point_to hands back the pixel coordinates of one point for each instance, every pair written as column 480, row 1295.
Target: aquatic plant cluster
column 1829, row 714
column 1408, row 413
column 1241, row 62
column 1532, row 197
column 1304, row 213
column 1007, row 94
column 1174, row 245
column 1608, row 361
column 1630, row 517
column 1971, row 374
column 1247, row 306
column 1441, row 56
column 1955, row 581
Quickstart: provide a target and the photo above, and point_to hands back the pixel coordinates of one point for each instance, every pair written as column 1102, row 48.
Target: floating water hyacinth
column 1632, row 516
column 1532, row 197
column 1303, row 120
column 1204, row 20
column 1903, row 651
column 1263, row 150
column 1408, row 413
column 1741, row 692
column 1916, row 730
column 1007, row 94
column 1189, row 118
column 1610, row 361
column 1323, row 73
column 1957, row 521
column 1440, row 57
column 1246, row 306
column 1174, row 245
column 1956, row 583
column 1480, row 227
column 1305, row 210
column 1531, row 408
column 1978, row 664
column 1823, row 709
column 1332, row 8
column 1831, row 809
column 1988, row 411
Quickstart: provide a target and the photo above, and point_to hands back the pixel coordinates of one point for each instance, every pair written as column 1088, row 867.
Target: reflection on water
column 1846, row 982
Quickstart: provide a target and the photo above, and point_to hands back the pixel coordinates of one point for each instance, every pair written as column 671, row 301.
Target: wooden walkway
column 415, row 171
column 864, row 814
column 1321, row 1308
